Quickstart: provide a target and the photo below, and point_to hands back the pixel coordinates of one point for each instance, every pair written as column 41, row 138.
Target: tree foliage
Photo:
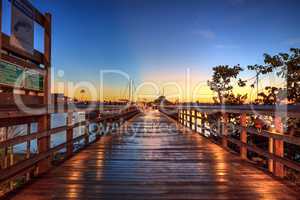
column 222, row 84
column 287, row 67
column 268, row 97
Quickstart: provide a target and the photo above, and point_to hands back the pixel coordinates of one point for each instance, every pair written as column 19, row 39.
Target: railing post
column 225, row 130
column 44, row 143
column 0, row 28
column 191, row 117
column 278, row 147
column 195, row 123
column 243, row 136
column 184, row 117
column 86, row 134
column 28, row 149
column 271, row 150
column 202, row 123
column 70, row 134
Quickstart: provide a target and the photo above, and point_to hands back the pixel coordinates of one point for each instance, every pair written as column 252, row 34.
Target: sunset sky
column 160, row 41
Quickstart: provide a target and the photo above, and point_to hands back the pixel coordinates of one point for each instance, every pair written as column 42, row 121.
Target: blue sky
column 163, row 37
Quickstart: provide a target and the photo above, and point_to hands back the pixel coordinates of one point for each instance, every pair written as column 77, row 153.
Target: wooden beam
column 0, row 29
column 190, row 119
column 22, row 63
column 292, row 110
column 278, row 147
column 44, row 143
column 224, row 130
column 289, row 163
column 69, row 133
column 37, row 56
column 47, row 59
column 17, row 121
column 243, row 136
column 47, row 39
column 8, row 99
column 196, row 118
column 39, row 17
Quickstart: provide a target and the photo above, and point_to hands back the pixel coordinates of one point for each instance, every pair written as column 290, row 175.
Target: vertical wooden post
column 28, row 149
column 196, row 124
column 278, row 147
column 6, row 150
column 187, row 118
column 202, row 123
column 44, row 143
column 0, row 28
column 70, row 134
column 271, row 150
column 184, row 117
column 8, row 159
column 191, row 119
column 86, row 133
column 44, row 121
column 11, row 163
column 243, row 136
column 47, row 56
column 225, row 130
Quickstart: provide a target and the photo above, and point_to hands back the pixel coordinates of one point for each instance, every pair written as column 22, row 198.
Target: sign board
column 10, row 74
column 22, row 27
column 14, row 76
column 33, row 80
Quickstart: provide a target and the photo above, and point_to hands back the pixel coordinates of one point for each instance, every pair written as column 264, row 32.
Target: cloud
column 207, row 34
column 222, row 46
column 293, row 41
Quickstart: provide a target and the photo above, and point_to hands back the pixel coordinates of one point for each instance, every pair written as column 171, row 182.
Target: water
column 57, row 120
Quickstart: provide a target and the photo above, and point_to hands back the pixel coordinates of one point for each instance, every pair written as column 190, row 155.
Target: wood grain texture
column 150, row 161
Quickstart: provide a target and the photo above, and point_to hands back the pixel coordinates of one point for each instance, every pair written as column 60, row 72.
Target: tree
column 221, row 83
column 269, row 97
column 238, row 99
column 287, row 66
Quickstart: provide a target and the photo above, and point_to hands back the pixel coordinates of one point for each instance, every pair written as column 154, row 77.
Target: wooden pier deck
column 155, row 163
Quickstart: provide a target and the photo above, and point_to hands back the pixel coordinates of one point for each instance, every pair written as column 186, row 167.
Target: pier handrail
column 194, row 117
column 31, row 163
column 290, row 109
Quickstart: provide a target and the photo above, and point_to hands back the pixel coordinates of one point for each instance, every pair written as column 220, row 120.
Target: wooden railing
column 20, row 168
column 233, row 127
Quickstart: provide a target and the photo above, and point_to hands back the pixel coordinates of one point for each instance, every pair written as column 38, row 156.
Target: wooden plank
column 243, row 136
column 39, row 17
column 8, row 99
column 22, row 62
column 37, row 56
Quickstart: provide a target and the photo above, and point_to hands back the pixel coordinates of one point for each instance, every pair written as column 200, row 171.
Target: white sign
column 22, row 27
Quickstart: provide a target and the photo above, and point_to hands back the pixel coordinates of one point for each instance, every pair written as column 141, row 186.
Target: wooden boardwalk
column 147, row 162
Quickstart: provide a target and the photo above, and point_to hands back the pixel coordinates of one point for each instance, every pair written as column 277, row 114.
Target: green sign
column 33, row 80
column 11, row 74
